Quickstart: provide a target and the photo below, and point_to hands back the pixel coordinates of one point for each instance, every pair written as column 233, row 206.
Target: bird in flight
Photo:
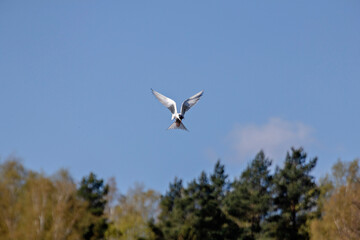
column 171, row 105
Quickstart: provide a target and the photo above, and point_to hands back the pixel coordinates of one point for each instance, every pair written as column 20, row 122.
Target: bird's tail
column 178, row 125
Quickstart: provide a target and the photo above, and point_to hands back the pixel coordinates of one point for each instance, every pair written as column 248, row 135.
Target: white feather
column 188, row 103
column 167, row 102
column 171, row 105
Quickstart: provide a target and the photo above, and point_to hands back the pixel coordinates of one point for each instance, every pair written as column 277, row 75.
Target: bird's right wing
column 167, row 102
column 188, row 103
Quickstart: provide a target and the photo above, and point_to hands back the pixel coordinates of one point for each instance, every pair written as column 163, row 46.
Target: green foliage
column 295, row 196
column 94, row 192
column 130, row 216
column 196, row 212
column 250, row 201
column 257, row 205
column 171, row 212
column 33, row 206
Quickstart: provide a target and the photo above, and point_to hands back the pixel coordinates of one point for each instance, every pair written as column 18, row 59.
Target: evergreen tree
column 171, row 212
column 295, row 196
column 196, row 212
column 250, row 200
column 94, row 192
column 219, row 181
column 209, row 221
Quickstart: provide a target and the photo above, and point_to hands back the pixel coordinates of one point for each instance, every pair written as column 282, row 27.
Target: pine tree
column 250, row 200
column 94, row 192
column 171, row 212
column 295, row 196
column 210, row 222
column 196, row 212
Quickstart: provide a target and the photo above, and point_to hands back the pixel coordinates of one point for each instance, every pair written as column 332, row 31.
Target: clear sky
column 75, row 79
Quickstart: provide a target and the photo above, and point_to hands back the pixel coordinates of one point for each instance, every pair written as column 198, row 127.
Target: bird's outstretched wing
column 188, row 103
column 167, row 102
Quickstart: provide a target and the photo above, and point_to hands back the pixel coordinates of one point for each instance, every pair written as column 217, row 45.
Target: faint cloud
column 211, row 154
column 275, row 138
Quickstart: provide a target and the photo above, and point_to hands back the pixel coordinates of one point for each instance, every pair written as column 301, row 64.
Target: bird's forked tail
column 178, row 125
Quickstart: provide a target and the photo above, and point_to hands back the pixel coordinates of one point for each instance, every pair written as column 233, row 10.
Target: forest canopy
column 261, row 203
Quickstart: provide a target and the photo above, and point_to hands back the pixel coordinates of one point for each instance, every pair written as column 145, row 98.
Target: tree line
column 261, row 203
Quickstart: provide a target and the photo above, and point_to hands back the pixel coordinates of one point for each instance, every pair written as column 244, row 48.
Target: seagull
column 171, row 105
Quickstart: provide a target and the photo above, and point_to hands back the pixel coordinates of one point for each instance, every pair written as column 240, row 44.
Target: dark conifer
column 94, row 191
column 295, row 196
column 250, row 201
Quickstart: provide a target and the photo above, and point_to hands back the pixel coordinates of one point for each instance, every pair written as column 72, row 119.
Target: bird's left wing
column 188, row 103
column 167, row 102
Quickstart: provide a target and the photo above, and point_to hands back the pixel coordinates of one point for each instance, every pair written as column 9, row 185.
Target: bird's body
column 177, row 122
column 171, row 105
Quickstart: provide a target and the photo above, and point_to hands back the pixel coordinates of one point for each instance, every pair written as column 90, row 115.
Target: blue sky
column 75, row 79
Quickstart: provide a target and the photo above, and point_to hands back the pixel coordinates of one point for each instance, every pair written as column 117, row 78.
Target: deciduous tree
column 340, row 215
column 34, row 206
column 130, row 216
column 12, row 179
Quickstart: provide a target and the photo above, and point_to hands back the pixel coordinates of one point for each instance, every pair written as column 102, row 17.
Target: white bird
column 171, row 105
